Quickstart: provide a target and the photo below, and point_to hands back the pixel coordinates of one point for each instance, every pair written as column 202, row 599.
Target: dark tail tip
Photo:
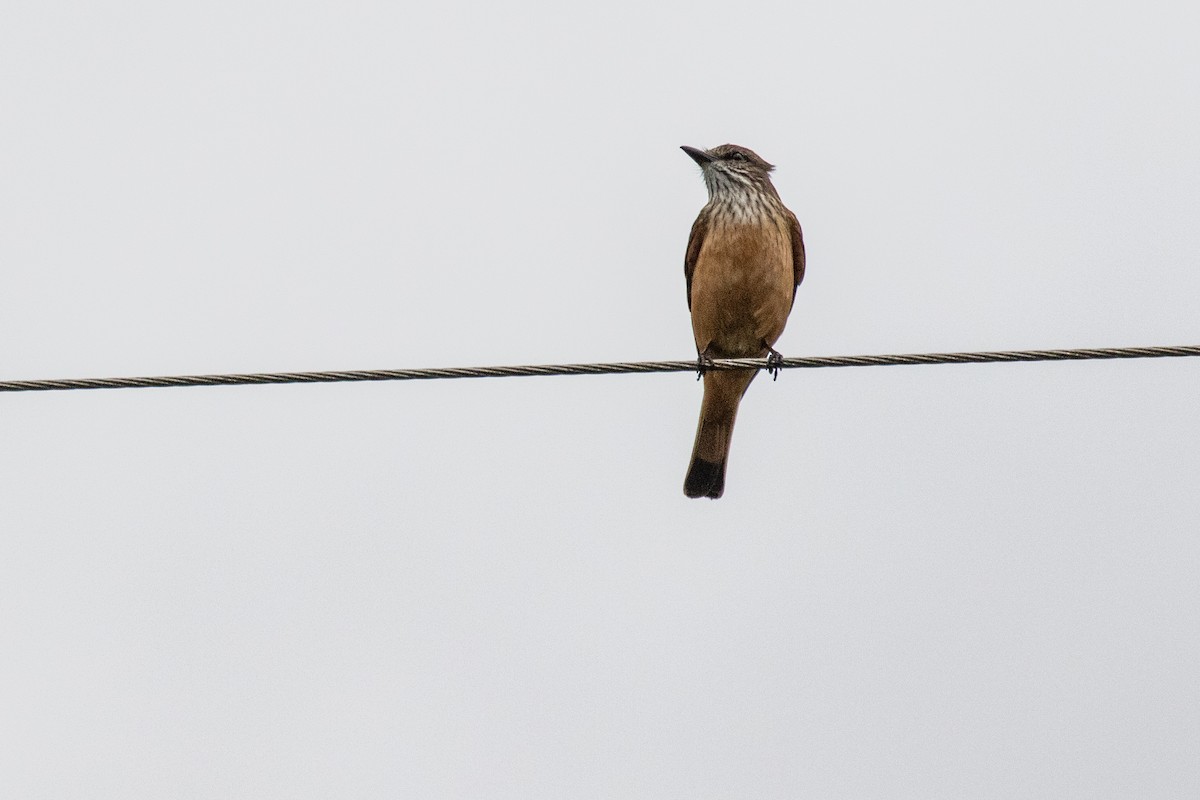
column 704, row 479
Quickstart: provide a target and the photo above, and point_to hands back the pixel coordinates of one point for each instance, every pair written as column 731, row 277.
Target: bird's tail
column 723, row 390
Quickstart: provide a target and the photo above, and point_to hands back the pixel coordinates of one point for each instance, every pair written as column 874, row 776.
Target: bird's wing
column 695, row 243
column 797, row 252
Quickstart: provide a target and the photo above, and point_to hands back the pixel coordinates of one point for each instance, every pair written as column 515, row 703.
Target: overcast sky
column 922, row 582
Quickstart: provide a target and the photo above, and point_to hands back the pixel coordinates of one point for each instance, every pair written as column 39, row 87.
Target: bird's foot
column 704, row 363
column 774, row 363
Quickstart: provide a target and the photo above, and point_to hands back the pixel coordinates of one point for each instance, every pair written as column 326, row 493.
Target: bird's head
column 731, row 167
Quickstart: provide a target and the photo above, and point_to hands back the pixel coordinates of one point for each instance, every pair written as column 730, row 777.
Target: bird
column 744, row 262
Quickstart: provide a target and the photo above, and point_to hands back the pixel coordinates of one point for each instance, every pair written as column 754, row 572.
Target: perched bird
column 744, row 260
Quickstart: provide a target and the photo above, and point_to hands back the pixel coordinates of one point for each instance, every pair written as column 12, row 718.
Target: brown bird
column 744, row 260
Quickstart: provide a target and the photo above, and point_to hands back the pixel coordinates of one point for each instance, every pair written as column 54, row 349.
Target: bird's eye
column 736, row 156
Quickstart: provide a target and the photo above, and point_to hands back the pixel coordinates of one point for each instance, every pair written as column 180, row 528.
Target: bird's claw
column 774, row 363
column 704, row 363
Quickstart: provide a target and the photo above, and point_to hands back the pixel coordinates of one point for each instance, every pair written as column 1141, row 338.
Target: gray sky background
column 967, row 581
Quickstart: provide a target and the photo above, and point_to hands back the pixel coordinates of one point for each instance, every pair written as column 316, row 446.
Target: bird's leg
column 704, row 362
column 774, row 362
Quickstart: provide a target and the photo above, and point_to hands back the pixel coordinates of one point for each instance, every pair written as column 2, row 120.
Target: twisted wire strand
column 616, row 368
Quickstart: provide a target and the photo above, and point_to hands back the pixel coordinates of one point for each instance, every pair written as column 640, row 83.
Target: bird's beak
column 699, row 156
